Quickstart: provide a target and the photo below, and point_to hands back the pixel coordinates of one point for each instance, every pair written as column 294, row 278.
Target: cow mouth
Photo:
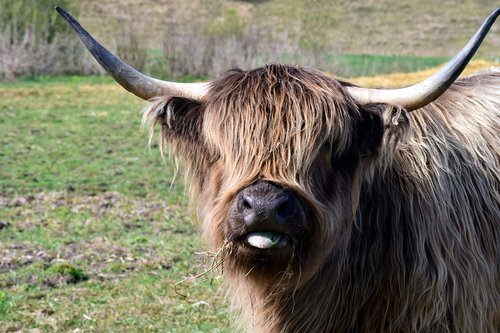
column 266, row 252
column 267, row 240
column 269, row 250
column 266, row 245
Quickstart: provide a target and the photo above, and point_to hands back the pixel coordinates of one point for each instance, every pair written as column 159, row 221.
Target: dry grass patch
column 396, row 80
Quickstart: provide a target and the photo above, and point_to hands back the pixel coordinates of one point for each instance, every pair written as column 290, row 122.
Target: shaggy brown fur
column 405, row 207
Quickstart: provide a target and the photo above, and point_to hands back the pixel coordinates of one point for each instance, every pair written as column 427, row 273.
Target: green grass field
column 94, row 235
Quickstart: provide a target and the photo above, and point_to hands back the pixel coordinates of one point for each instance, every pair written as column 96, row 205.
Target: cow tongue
column 266, row 239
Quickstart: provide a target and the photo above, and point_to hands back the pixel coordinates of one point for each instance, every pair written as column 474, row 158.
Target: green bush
column 36, row 17
column 35, row 40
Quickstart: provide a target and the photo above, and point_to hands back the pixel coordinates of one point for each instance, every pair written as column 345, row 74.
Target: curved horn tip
column 424, row 92
column 129, row 78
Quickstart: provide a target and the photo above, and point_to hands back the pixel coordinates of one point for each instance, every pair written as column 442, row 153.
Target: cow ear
column 380, row 124
column 180, row 118
column 369, row 130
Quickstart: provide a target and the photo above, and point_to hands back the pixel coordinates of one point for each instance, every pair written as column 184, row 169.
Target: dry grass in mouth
column 214, row 261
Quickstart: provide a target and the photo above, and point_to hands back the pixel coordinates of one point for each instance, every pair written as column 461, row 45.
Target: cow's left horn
column 129, row 78
column 421, row 94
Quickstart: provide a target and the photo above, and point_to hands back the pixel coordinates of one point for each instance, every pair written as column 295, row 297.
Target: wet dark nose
column 266, row 206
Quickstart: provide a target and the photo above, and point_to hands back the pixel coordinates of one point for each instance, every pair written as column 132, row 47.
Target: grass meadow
column 96, row 231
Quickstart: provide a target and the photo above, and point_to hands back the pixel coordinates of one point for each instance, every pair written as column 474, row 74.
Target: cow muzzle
column 266, row 217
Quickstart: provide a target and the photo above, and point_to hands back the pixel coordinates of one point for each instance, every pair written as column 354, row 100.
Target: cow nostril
column 246, row 204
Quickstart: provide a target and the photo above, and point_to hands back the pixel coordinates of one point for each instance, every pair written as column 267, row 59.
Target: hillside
column 200, row 39
column 381, row 27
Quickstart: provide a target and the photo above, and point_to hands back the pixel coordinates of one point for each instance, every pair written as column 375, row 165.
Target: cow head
column 275, row 155
column 288, row 144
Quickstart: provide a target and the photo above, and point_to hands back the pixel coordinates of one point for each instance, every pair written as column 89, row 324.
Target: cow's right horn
column 422, row 93
column 129, row 78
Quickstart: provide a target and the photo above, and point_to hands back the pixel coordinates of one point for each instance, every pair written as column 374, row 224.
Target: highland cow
column 337, row 208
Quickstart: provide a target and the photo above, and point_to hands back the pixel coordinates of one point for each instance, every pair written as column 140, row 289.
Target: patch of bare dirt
column 14, row 255
column 99, row 257
column 131, row 212
column 98, row 205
